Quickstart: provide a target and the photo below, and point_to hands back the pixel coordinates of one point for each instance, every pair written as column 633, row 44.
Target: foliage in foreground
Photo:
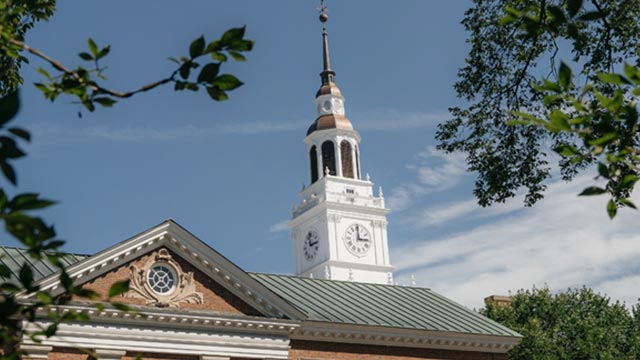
column 84, row 84
column 514, row 120
column 573, row 325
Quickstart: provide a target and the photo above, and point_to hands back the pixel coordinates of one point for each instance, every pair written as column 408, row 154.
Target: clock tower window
column 347, row 159
column 329, row 157
column 313, row 162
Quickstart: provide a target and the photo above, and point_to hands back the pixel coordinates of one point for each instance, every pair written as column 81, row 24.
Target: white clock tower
column 339, row 230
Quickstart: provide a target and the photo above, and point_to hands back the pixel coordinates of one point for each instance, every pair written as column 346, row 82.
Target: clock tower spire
column 339, row 230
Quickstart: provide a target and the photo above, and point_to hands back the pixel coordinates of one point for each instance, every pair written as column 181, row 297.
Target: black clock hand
column 313, row 243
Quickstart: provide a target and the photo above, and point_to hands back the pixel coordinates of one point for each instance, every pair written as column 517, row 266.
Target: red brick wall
column 59, row 353
column 216, row 297
column 315, row 350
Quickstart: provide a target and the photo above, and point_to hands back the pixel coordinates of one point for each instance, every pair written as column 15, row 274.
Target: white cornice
column 171, row 235
column 164, row 340
column 385, row 336
column 177, row 319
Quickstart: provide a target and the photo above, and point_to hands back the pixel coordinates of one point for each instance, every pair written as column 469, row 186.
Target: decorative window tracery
column 162, row 283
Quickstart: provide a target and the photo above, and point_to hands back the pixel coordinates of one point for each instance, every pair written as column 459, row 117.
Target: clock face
column 326, row 105
column 357, row 239
column 311, row 245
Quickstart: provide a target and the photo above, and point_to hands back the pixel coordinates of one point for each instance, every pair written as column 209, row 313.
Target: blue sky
column 229, row 171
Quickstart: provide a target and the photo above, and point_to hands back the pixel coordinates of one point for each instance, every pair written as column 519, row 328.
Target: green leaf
column 612, row 209
column 44, row 297
column 121, row 306
column 237, row 56
column 8, row 172
column 604, row 139
column 573, row 6
column 29, row 201
column 26, row 275
column 209, row 72
column 105, row 101
column 185, row 70
column 215, row 45
column 216, row 94
column 4, row 271
column 592, row 190
column 85, row 56
column 628, row 181
column 559, row 121
column 628, row 203
column 611, row 78
column 197, row 47
column 232, row 35
column 591, row 16
column 551, row 86
column 93, row 47
column 20, row 132
column 9, row 106
column 603, row 170
column 172, row 59
column 105, row 50
column 564, row 76
column 567, row 150
column 119, row 288
column 226, row 82
column 44, row 73
column 217, row 56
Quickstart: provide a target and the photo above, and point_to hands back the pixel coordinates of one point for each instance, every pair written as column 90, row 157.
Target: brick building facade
column 215, row 310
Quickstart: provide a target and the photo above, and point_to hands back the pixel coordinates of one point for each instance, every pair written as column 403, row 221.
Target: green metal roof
column 379, row 305
column 14, row 257
column 337, row 301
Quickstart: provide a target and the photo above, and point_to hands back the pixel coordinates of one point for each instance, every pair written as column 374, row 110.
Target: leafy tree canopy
column 523, row 104
column 574, row 325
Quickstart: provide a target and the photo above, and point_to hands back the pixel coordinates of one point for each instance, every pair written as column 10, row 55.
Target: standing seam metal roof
column 379, row 305
column 336, row 301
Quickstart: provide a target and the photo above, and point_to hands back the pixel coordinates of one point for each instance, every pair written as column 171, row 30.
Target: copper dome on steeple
column 333, row 119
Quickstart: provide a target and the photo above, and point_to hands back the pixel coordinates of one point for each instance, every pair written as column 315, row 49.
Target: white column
column 338, row 158
column 355, row 166
column 319, row 161
column 109, row 354
column 35, row 351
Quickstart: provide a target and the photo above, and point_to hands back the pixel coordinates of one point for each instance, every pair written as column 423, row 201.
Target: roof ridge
column 24, row 249
column 341, row 281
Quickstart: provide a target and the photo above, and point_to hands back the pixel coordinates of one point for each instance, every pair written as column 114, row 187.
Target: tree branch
column 97, row 89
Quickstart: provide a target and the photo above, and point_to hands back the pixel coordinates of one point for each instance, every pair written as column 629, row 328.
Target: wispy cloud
column 378, row 121
column 279, row 226
column 563, row 241
column 262, row 127
column 389, row 120
column 434, row 171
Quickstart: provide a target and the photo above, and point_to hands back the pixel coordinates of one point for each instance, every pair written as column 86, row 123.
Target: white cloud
column 392, row 120
column 247, row 128
column 563, row 241
column 435, row 171
column 280, row 226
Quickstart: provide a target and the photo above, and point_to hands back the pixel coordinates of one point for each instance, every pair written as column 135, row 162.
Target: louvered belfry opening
column 313, row 161
column 329, row 157
column 347, row 159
